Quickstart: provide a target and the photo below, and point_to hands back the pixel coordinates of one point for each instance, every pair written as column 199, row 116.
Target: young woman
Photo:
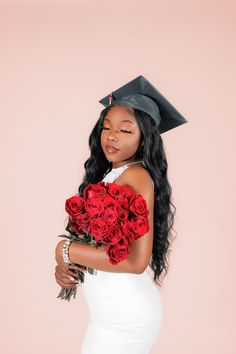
column 126, row 147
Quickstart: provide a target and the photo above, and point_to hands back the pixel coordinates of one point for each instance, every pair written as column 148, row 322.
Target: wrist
column 71, row 251
column 58, row 252
column 65, row 251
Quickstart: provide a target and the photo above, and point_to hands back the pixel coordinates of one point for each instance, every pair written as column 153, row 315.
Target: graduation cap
column 141, row 94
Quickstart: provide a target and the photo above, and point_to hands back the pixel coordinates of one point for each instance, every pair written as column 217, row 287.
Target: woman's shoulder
column 138, row 178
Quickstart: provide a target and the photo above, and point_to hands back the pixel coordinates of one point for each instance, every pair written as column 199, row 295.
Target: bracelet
column 65, row 251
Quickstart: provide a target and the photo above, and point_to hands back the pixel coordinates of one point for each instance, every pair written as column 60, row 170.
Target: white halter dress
column 125, row 308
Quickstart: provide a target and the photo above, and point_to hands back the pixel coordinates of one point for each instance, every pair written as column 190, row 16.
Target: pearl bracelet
column 65, row 251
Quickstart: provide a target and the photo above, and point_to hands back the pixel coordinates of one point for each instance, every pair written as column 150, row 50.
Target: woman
column 126, row 147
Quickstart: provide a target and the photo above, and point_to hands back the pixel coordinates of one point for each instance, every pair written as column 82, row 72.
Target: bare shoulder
column 139, row 179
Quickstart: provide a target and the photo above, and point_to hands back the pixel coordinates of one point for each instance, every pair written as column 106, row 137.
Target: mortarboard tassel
column 110, row 98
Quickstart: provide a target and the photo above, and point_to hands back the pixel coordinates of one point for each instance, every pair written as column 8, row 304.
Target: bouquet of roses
column 108, row 214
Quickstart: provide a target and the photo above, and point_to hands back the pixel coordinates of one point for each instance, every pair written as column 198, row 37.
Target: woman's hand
column 64, row 274
column 65, row 277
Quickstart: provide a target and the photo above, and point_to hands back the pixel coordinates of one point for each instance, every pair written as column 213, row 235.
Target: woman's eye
column 122, row 130
column 126, row 131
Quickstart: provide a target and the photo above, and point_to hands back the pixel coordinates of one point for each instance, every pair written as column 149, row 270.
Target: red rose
column 124, row 203
column 113, row 235
column 141, row 226
column 115, row 190
column 74, row 205
column 139, row 206
column 75, row 226
column 129, row 194
column 109, row 202
column 110, row 215
column 94, row 206
column 94, row 190
column 118, row 252
column 128, row 229
column 98, row 229
column 83, row 220
column 122, row 214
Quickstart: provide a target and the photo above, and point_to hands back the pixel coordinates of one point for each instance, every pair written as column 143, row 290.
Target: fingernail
column 72, row 279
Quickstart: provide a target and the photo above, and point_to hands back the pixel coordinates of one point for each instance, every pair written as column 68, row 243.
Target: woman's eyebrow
column 124, row 120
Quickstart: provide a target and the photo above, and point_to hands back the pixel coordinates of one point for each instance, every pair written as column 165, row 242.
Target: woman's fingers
column 65, row 278
column 77, row 268
column 65, row 270
column 69, row 269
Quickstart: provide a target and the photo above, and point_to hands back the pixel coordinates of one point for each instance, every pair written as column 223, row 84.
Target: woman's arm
column 96, row 258
column 140, row 250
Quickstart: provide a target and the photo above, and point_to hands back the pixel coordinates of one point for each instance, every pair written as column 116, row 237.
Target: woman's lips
column 111, row 149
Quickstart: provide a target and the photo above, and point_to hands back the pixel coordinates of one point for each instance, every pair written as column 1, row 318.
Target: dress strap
column 126, row 165
column 116, row 172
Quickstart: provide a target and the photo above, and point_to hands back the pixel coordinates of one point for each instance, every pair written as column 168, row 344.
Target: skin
column 115, row 133
column 121, row 130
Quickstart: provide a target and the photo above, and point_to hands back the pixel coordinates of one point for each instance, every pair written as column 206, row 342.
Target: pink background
column 58, row 58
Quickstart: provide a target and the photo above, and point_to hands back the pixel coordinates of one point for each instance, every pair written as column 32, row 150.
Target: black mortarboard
column 141, row 94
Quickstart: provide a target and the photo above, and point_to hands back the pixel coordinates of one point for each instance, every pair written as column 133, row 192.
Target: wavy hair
column 151, row 151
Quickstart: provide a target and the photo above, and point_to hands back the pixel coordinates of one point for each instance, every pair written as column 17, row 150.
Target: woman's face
column 120, row 137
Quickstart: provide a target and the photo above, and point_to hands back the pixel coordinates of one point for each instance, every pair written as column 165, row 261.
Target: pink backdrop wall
column 57, row 60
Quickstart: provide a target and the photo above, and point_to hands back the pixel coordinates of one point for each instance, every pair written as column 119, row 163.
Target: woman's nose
column 112, row 136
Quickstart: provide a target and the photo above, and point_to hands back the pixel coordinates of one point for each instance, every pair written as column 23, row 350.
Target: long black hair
column 151, row 151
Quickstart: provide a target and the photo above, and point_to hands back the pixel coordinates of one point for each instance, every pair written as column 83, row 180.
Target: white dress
column 125, row 308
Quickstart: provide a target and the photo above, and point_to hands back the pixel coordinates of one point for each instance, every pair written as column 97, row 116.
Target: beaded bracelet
column 65, row 251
